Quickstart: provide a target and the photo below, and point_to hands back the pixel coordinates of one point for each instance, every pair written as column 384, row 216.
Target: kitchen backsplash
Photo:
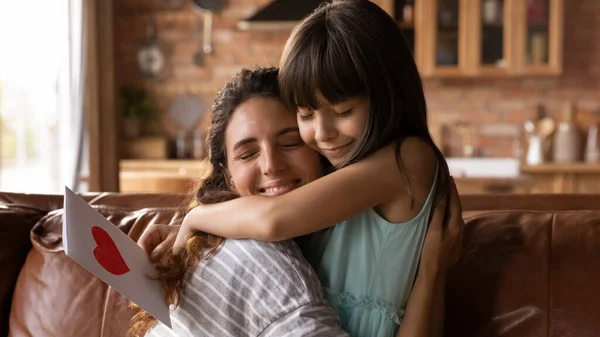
column 492, row 111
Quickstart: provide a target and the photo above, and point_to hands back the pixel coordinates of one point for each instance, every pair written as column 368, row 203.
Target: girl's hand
column 442, row 246
column 157, row 240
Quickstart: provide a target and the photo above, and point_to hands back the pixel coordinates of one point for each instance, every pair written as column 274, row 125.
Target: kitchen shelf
column 561, row 168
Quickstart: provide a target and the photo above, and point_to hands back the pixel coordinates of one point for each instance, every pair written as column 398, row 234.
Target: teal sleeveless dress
column 367, row 267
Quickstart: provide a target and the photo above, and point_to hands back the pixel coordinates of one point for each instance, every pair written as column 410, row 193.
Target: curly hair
column 173, row 269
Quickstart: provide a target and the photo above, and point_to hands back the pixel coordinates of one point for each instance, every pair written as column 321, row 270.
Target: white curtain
column 42, row 64
column 72, row 132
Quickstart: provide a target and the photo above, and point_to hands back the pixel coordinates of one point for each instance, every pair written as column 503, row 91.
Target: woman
column 251, row 288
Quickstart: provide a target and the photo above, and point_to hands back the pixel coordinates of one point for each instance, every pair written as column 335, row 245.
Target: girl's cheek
column 307, row 135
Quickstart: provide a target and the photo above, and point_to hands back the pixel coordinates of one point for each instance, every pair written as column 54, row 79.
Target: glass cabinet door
column 537, row 32
column 443, row 37
column 447, row 35
column 542, row 51
column 492, row 34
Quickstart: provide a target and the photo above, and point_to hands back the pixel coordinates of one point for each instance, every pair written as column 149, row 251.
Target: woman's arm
column 424, row 315
column 319, row 204
column 419, row 316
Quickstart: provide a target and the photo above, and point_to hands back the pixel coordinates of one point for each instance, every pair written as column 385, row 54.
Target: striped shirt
column 253, row 288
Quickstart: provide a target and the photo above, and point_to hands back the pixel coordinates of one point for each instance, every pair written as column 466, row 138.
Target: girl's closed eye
column 305, row 117
column 346, row 113
column 304, row 114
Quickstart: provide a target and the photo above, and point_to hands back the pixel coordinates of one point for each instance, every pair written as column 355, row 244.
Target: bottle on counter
column 181, row 145
column 567, row 137
column 592, row 147
column 198, row 147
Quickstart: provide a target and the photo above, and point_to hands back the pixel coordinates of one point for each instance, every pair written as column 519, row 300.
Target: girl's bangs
column 320, row 70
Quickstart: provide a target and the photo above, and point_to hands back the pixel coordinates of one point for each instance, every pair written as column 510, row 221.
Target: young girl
column 350, row 75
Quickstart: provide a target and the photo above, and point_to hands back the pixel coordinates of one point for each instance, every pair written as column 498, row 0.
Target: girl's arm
column 319, row 204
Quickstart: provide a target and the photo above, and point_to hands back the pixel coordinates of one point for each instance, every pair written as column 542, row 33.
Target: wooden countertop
column 136, row 168
column 561, row 168
column 492, row 180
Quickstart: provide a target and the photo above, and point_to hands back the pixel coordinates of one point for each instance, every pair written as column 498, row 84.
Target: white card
column 103, row 249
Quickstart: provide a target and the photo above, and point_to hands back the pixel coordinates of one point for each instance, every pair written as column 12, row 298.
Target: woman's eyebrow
column 288, row 130
column 244, row 142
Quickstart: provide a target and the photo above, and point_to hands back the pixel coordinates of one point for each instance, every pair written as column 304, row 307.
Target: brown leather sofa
column 530, row 267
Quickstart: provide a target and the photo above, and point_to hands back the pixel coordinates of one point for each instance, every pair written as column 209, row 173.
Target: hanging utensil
column 207, row 8
column 151, row 57
column 198, row 56
column 187, row 110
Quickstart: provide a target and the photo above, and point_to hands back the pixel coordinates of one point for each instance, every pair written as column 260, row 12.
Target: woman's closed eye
column 292, row 145
column 246, row 155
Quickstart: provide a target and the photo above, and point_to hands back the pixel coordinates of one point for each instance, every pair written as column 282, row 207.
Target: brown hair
column 173, row 269
column 353, row 48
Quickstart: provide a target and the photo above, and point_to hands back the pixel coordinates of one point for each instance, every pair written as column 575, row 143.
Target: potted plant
column 138, row 106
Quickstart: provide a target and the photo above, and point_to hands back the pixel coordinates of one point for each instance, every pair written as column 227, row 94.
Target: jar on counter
column 592, row 146
column 198, row 148
column 592, row 150
column 567, row 138
column 181, row 145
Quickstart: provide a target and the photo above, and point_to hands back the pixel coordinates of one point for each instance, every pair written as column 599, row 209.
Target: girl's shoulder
column 418, row 155
column 416, row 175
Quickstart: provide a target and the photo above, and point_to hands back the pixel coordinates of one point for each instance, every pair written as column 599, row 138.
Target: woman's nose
column 273, row 162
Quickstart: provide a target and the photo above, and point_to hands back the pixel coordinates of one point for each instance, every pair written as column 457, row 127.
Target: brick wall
column 494, row 109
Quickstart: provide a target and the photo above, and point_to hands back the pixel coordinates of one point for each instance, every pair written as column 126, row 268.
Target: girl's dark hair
column 173, row 269
column 353, row 48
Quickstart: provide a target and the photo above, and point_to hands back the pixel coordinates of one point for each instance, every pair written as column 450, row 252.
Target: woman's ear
column 228, row 179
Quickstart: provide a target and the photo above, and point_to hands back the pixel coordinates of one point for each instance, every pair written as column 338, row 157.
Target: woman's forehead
column 260, row 117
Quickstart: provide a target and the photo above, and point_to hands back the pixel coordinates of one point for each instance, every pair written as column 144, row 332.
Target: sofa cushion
column 526, row 273
column 57, row 297
column 575, row 275
column 16, row 222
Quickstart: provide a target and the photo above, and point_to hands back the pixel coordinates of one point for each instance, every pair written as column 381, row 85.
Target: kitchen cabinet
column 482, row 38
column 578, row 178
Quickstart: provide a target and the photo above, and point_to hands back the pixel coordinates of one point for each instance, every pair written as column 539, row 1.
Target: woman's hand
column 158, row 239
column 424, row 315
column 443, row 244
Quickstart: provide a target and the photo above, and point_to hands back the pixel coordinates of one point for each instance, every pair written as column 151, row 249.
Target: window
column 35, row 96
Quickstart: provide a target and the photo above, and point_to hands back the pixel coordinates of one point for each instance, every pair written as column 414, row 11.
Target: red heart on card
column 107, row 253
